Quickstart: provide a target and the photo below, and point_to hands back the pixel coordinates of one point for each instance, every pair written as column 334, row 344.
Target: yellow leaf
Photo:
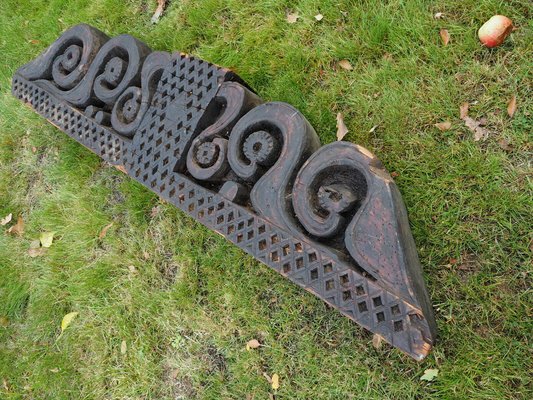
column 46, row 239
column 275, row 381
column 67, row 319
column 123, row 347
column 345, row 64
column 342, row 130
column 429, row 374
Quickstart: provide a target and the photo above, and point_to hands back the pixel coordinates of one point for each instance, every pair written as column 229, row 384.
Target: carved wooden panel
column 328, row 218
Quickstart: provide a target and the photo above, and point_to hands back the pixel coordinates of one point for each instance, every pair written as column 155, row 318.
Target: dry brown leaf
column 5, row 385
column 6, row 220
column 175, row 373
column 480, row 133
column 319, row 17
column 121, row 168
column 292, row 18
column 146, row 255
column 132, row 269
column 443, row 126
column 104, row 231
column 18, row 228
column 438, row 15
column 37, row 252
column 342, row 130
column 377, row 340
column 445, row 36
column 275, row 381
column 463, row 110
column 161, row 4
column 4, row 321
column 34, row 41
column 252, row 344
column 123, row 347
column 511, row 106
column 345, row 64
column 505, row 145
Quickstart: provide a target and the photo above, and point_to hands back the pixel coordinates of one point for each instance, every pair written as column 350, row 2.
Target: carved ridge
column 328, row 218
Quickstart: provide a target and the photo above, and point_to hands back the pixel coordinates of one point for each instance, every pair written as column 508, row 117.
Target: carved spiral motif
column 132, row 104
column 207, row 156
column 328, row 188
column 84, row 67
column 267, row 147
column 68, row 59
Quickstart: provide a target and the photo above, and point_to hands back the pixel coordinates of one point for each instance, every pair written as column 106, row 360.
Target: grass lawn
column 166, row 307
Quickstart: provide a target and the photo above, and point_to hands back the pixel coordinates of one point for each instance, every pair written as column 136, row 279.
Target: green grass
column 194, row 300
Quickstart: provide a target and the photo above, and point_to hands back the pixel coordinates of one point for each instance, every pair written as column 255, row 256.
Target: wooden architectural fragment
column 328, row 218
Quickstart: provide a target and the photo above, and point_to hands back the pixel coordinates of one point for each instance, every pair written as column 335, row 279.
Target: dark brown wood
column 328, row 218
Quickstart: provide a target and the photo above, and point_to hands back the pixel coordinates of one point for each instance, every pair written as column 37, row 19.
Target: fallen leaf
column 438, row 15
column 292, row 18
column 443, row 126
column 463, row 110
column 146, row 255
column 373, row 129
column 37, row 251
column 161, row 4
column 445, row 36
column 342, row 130
column 319, row 17
column 275, row 381
column 5, row 385
column 34, row 41
column 505, row 145
column 387, row 56
column 175, row 373
column 395, row 174
column 252, row 344
column 104, row 231
column 121, row 168
column 4, row 321
column 34, row 149
column 6, row 220
column 54, row 370
column 132, row 269
column 345, row 64
column 123, row 347
column 429, row 374
column 511, row 106
column 67, row 319
column 480, row 133
column 47, row 238
column 18, row 228
column 377, row 340
column 154, row 211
